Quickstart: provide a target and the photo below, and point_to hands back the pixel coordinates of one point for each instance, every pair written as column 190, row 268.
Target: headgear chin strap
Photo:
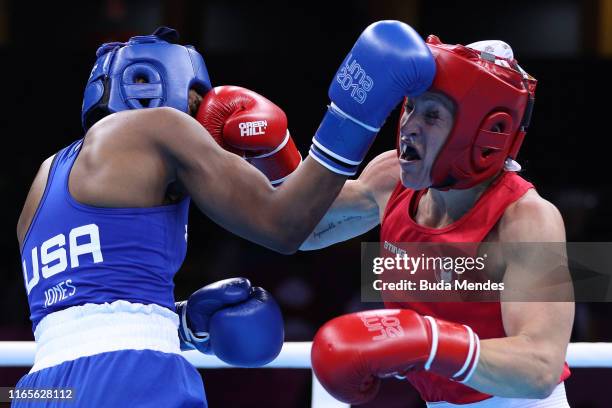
column 493, row 104
column 146, row 72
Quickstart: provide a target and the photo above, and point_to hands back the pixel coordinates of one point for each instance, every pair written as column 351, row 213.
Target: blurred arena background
column 289, row 52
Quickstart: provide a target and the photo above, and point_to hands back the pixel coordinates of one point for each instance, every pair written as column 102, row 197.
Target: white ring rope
column 297, row 355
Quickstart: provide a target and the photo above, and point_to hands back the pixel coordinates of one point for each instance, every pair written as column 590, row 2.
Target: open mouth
column 409, row 153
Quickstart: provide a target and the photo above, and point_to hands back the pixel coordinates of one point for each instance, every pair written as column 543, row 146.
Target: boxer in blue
column 104, row 226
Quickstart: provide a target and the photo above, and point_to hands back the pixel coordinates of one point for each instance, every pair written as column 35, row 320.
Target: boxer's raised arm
column 359, row 206
column 236, row 195
column 388, row 61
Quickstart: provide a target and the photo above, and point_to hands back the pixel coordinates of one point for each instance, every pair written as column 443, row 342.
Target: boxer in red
column 455, row 181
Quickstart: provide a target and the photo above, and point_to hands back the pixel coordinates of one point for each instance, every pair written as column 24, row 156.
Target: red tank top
column 483, row 317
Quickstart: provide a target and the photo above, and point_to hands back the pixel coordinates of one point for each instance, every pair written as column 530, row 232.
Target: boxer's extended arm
column 528, row 363
column 391, row 55
column 360, row 205
column 170, row 148
column 236, row 195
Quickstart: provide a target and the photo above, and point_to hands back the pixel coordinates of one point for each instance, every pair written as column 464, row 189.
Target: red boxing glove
column 352, row 352
column 247, row 124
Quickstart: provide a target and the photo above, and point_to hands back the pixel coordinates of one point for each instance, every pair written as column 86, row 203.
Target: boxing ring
column 296, row 355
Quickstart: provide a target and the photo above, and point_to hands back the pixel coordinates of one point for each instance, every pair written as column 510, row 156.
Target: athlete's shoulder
column 139, row 121
column 146, row 129
column 46, row 165
column 380, row 176
column 532, row 219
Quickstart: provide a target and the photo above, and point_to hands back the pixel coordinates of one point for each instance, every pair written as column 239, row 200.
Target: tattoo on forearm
column 330, row 226
column 350, row 218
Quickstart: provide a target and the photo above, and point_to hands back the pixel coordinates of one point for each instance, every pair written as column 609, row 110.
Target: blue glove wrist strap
column 341, row 142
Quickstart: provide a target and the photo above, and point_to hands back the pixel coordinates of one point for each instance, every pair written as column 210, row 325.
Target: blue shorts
column 126, row 378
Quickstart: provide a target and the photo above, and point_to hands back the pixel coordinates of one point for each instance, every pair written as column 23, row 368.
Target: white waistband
column 555, row 400
column 81, row 331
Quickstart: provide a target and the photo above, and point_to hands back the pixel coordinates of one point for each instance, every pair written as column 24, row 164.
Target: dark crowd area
column 289, row 52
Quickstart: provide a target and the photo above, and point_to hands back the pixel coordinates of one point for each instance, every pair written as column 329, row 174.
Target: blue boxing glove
column 240, row 324
column 388, row 61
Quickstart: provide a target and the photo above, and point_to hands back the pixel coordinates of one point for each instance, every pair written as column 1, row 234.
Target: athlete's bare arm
column 133, row 158
column 528, row 363
column 360, row 205
column 237, row 196
column 233, row 193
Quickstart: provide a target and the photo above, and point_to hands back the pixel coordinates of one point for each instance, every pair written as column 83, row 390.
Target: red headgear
column 493, row 107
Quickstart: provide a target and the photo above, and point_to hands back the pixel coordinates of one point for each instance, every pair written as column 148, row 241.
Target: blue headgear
column 146, row 72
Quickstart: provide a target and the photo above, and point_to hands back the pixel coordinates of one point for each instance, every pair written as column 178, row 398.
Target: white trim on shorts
column 555, row 400
column 86, row 330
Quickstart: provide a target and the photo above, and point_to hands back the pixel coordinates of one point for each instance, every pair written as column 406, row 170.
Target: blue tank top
column 75, row 253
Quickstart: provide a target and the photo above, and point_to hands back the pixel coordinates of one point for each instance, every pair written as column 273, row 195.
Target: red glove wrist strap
column 455, row 350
